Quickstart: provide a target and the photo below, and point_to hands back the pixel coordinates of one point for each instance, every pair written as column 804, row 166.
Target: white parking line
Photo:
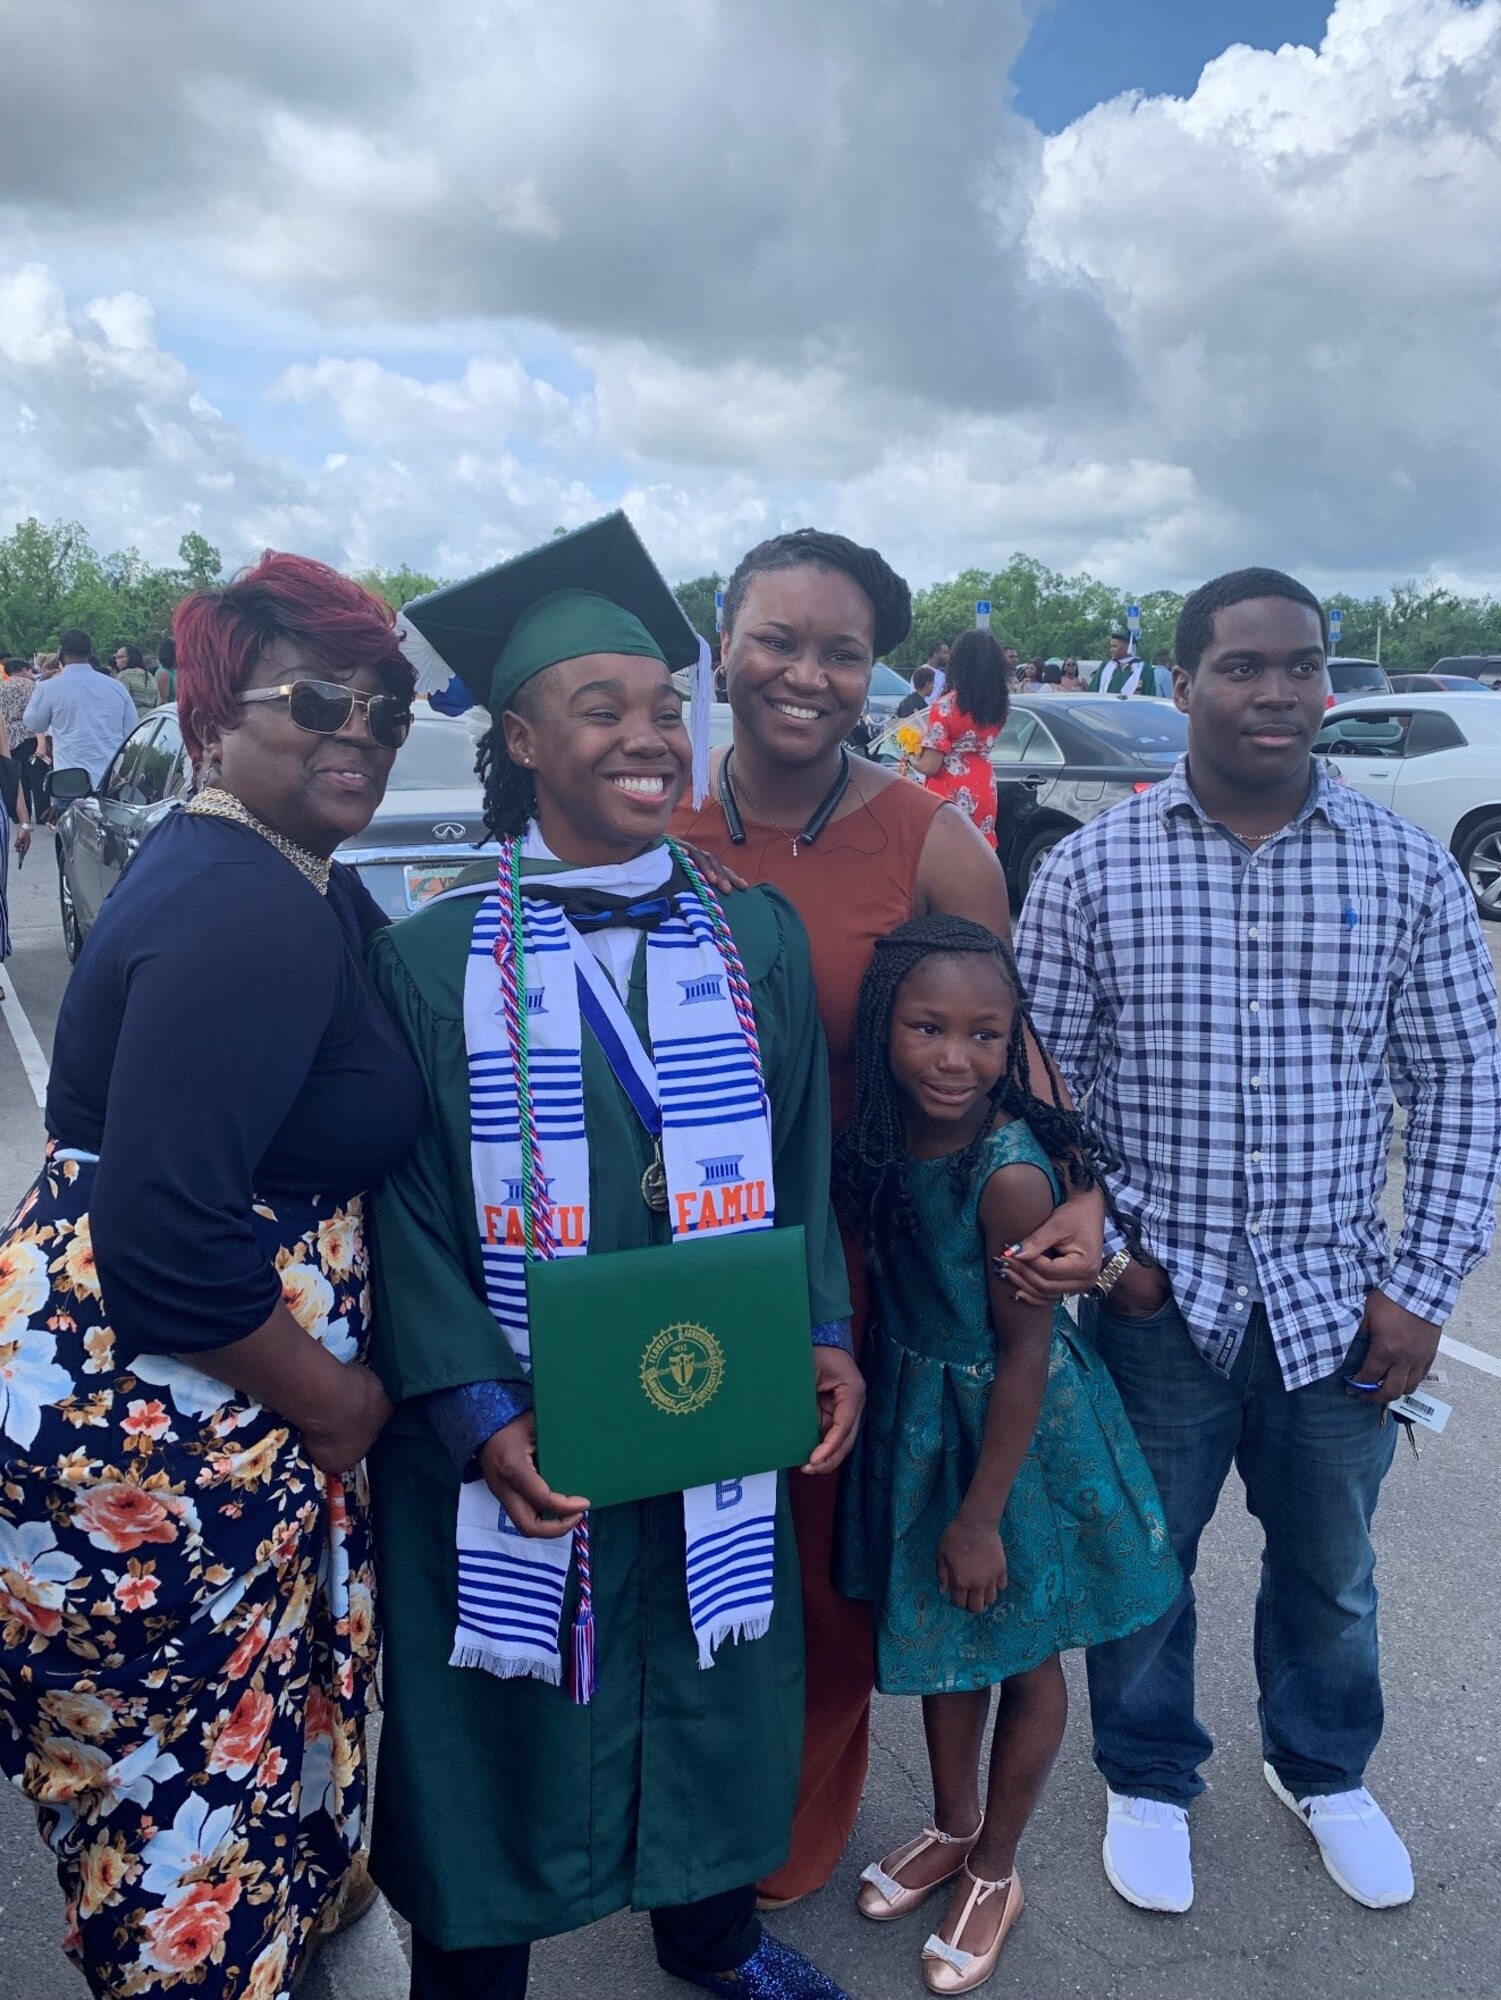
column 28, row 1048
column 1475, row 1357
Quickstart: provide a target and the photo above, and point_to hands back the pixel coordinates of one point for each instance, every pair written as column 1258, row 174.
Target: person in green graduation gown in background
column 507, row 1810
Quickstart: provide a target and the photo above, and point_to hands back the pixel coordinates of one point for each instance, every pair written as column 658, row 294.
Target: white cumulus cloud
column 783, row 264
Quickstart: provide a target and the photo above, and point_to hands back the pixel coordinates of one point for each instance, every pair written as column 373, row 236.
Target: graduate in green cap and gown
column 508, row 1808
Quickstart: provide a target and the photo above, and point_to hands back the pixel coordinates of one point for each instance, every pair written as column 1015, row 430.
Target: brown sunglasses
column 324, row 707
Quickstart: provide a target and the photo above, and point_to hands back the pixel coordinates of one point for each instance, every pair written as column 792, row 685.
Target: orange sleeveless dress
column 855, row 884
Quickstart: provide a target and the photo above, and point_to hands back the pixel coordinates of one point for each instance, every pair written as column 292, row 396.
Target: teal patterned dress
column 1087, row 1550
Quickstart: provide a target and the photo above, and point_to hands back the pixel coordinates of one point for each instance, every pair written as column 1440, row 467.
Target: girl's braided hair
column 888, row 593
column 870, row 1156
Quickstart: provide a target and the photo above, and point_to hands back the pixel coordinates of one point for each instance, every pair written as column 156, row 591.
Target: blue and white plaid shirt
column 1241, row 1022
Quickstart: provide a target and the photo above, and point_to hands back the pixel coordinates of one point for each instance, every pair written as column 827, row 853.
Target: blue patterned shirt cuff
column 467, row 1417
column 1422, row 1287
column 1114, row 1239
column 835, row 1333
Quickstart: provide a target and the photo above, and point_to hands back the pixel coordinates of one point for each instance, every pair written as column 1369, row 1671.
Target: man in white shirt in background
column 87, row 714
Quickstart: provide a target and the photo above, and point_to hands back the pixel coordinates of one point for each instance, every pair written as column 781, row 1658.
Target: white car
column 1436, row 759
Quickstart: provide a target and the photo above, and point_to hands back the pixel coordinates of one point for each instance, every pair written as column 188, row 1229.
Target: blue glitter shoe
column 774, row 1971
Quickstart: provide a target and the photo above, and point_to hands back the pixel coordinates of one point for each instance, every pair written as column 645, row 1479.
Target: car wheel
column 72, row 934
column 1036, row 851
column 1480, row 858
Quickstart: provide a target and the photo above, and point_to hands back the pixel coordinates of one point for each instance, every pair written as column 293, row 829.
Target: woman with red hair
column 187, row 1633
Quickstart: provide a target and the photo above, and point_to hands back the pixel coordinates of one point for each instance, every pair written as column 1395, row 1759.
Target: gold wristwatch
column 1106, row 1281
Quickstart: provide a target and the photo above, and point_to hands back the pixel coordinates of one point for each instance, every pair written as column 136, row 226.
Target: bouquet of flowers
column 908, row 739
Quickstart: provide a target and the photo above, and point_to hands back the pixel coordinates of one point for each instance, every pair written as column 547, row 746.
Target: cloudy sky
column 1149, row 290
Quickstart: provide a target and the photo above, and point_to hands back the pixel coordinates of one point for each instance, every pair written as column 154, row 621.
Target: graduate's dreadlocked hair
column 870, row 1157
column 510, row 796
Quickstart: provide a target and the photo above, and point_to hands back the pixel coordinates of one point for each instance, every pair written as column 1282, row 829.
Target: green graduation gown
column 504, row 1812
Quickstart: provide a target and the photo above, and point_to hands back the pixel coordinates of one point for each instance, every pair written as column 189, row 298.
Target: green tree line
column 52, row 577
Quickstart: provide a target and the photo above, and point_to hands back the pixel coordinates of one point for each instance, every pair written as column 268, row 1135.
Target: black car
column 426, row 830
column 1063, row 759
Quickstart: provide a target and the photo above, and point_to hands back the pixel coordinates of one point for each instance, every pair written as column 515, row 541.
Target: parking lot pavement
column 1268, row 1924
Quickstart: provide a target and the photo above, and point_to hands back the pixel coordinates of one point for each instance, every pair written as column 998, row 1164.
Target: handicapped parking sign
column 1336, row 625
column 982, row 614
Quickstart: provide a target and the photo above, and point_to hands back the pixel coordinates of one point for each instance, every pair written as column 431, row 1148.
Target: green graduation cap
column 595, row 590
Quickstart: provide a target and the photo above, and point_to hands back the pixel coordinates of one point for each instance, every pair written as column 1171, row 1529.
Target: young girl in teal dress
column 998, row 1509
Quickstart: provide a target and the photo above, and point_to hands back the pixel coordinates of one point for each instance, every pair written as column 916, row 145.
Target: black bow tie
column 597, row 910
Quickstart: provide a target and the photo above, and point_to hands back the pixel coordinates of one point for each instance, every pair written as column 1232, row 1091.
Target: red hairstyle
column 222, row 633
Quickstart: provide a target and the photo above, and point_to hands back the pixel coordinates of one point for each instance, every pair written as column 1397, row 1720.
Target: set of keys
column 1418, row 1411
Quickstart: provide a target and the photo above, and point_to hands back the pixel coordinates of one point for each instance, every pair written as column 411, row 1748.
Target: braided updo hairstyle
column 870, row 1157
column 888, row 593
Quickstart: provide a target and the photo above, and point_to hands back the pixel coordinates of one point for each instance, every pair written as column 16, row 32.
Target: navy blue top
column 220, row 1038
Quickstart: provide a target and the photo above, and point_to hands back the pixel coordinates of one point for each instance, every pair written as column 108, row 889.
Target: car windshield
column 1363, row 674
column 1364, row 735
column 436, row 757
column 1149, row 729
column 886, row 680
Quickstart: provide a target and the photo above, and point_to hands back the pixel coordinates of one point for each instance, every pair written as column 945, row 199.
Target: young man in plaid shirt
column 1241, row 969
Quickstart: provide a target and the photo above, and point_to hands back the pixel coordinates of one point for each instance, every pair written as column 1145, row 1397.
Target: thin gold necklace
column 215, row 803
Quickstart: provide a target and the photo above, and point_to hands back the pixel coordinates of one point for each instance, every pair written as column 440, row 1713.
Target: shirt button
column 1254, row 931
column 1255, row 1006
column 1255, row 1083
column 1255, row 1228
column 1241, row 1290
column 1256, row 1156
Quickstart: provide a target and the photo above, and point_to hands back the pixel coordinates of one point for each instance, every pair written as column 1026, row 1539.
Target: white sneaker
column 1361, row 1848
column 1147, row 1857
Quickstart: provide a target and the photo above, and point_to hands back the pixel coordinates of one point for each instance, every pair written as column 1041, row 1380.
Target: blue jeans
column 1312, row 1461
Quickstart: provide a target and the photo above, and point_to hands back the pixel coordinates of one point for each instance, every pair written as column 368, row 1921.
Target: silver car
column 429, row 827
column 426, row 830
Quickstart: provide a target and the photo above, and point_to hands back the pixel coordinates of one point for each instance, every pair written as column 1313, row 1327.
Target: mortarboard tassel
column 702, row 699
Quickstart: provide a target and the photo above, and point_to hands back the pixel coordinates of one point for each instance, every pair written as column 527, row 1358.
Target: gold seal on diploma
column 682, row 1369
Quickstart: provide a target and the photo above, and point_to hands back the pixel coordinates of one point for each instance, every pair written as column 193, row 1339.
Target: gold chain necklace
column 214, row 803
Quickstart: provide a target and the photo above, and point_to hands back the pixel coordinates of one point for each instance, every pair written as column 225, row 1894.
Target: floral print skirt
column 187, row 1617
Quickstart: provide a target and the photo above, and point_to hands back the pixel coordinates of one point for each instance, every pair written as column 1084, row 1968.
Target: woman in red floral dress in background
column 963, row 724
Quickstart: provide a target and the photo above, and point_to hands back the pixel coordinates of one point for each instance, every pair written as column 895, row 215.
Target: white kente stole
column 702, row 1084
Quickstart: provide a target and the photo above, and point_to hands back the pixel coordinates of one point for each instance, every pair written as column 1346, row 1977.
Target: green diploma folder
column 657, row 1370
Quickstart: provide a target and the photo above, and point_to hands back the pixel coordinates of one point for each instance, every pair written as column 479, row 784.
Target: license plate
column 424, row 880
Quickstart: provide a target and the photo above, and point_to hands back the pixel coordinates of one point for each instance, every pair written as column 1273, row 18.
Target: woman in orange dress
column 856, row 851
column 954, row 762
